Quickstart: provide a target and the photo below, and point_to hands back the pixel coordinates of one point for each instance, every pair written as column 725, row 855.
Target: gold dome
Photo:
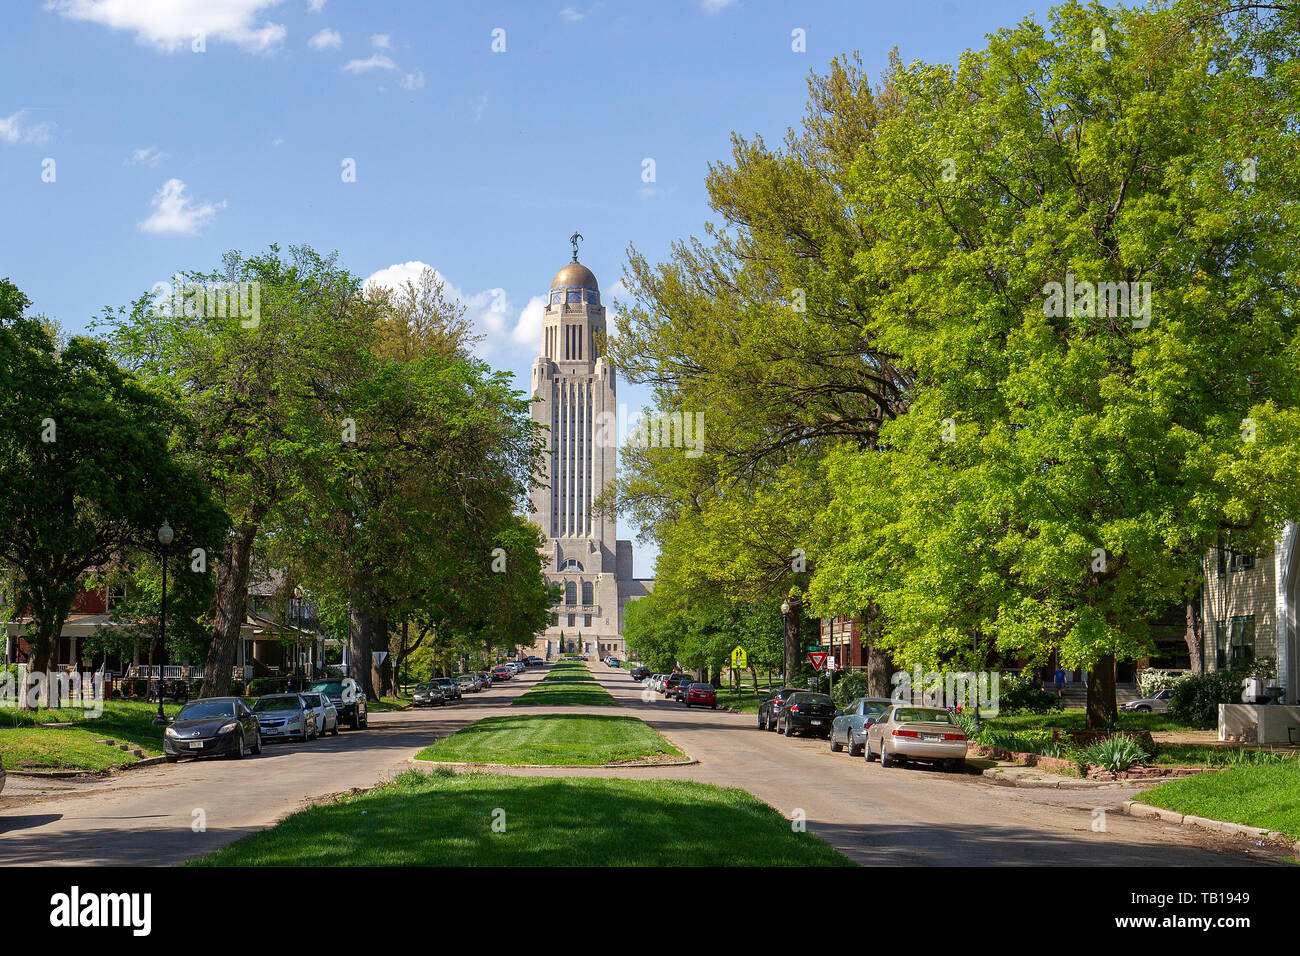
column 575, row 273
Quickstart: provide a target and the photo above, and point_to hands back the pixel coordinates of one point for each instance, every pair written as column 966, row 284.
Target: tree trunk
column 231, row 606
column 880, row 664
column 385, row 670
column 359, row 632
column 792, row 649
column 1102, row 712
column 1193, row 635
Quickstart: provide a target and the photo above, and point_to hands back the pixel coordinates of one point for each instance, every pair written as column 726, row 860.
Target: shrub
column 1116, row 754
column 850, row 687
column 259, row 686
column 1151, row 681
column 1023, row 694
column 1196, row 699
column 237, row 688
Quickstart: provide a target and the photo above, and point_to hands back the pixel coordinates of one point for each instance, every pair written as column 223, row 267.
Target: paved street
column 898, row 816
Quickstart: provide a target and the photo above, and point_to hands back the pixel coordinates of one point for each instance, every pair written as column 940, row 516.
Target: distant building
column 575, row 398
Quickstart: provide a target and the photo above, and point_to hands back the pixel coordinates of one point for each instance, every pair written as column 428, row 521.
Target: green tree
column 86, row 474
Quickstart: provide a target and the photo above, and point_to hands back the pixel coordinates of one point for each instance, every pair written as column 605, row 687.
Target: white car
column 1157, row 703
column 327, row 715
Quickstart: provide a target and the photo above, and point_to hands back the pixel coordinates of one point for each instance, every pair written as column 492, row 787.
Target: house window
column 570, row 594
column 115, row 596
column 1230, row 561
column 1234, row 642
column 586, row 620
column 587, row 593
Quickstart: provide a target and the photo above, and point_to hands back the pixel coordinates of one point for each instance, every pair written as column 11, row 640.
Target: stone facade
column 575, row 397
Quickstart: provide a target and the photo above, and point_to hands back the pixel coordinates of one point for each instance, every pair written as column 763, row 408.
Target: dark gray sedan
column 849, row 729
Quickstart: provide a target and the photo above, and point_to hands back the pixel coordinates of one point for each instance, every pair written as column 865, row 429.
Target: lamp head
column 165, row 534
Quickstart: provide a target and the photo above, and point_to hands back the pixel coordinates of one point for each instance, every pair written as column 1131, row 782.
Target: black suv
column 640, row 673
column 354, row 712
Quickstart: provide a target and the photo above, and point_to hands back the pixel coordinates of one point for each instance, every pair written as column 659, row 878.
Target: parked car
column 428, row 694
column 470, row 683
column 327, row 715
column 283, row 716
column 678, row 690
column 671, row 682
column 849, row 729
column 347, row 699
column 770, row 707
column 640, row 673
column 702, row 694
column 535, row 661
column 486, row 679
column 502, row 673
column 1157, row 703
column 451, row 688
column 210, row 726
column 806, row 712
column 916, row 733
column 613, row 662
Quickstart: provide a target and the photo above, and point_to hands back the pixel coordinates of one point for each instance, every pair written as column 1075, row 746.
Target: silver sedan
column 916, row 733
column 327, row 715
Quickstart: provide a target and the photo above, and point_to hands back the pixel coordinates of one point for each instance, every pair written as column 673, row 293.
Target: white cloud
column 715, row 6
column 177, row 214
column 326, row 39
column 315, row 6
column 376, row 62
column 15, row 128
column 149, row 156
column 381, row 41
column 502, row 331
column 412, row 81
column 570, row 15
column 170, row 25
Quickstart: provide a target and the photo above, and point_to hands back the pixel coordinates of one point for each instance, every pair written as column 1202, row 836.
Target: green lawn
column 1075, row 720
column 447, row 819
column 580, row 739
column 1262, row 796
column 27, row 743
column 743, row 701
column 566, row 694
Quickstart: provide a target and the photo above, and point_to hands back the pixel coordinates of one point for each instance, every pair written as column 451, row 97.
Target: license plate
column 931, row 737
column 196, row 745
column 816, row 723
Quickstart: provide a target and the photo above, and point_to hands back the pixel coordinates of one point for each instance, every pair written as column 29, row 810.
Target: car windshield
column 313, row 700
column 701, row 687
column 922, row 714
column 277, row 703
column 425, row 686
column 334, row 687
column 207, row 710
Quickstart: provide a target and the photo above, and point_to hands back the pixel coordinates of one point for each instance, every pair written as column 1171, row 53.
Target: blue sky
column 477, row 163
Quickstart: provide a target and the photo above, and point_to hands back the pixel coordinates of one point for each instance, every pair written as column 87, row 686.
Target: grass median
column 566, row 694
column 576, row 740
column 449, row 819
column 1267, row 795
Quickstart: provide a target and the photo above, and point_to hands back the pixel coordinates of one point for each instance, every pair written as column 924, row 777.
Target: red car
column 701, row 694
column 500, row 673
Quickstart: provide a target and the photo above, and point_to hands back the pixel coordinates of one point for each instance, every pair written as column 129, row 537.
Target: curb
column 1147, row 811
column 998, row 779
column 70, row 774
column 416, row 762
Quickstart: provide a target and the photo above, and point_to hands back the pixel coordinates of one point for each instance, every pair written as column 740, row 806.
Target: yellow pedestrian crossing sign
column 739, row 659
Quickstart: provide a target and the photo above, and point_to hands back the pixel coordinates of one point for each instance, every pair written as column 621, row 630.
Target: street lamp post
column 785, row 631
column 165, row 539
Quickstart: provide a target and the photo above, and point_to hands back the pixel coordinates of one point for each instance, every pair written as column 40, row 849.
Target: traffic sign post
column 818, row 659
column 739, row 661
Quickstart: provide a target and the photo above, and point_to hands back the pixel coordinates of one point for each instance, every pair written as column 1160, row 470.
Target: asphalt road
column 899, row 816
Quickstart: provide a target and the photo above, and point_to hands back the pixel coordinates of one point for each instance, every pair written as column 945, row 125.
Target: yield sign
column 818, row 659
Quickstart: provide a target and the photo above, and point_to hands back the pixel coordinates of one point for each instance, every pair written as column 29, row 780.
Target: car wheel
column 836, row 746
column 762, row 721
column 715, row 706
column 885, row 759
column 238, row 752
column 257, row 747
column 1143, row 709
column 855, row 750
column 336, row 727
column 789, row 729
column 170, row 758
column 365, row 720
column 955, row 765
column 353, row 720
column 867, row 755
